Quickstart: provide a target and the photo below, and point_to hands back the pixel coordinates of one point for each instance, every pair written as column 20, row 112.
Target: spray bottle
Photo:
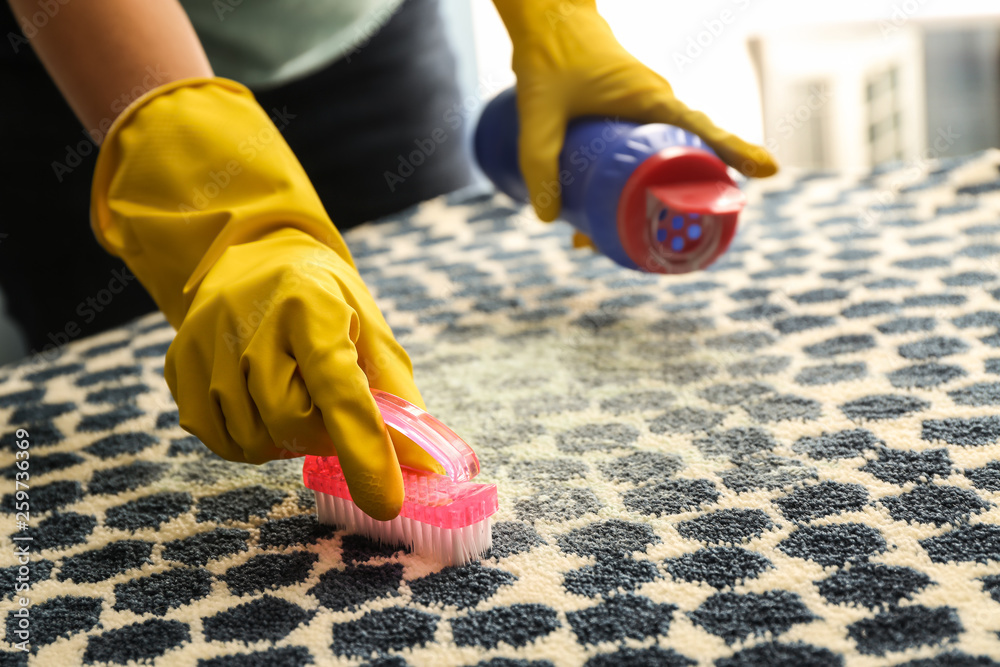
column 650, row 197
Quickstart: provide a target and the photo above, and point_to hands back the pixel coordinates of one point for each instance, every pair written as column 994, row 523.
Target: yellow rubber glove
column 278, row 340
column 569, row 64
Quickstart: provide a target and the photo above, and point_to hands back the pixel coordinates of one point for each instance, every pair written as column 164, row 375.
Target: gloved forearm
column 278, row 341
column 189, row 171
column 568, row 65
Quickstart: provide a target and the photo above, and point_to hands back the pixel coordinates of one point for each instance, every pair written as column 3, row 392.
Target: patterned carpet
column 792, row 459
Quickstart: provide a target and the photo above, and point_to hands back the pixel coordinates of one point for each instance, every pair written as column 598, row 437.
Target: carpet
column 791, row 459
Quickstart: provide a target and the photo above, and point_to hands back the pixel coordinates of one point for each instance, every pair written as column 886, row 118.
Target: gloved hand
column 278, row 341
column 569, row 64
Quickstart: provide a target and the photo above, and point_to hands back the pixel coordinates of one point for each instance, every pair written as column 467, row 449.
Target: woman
column 198, row 189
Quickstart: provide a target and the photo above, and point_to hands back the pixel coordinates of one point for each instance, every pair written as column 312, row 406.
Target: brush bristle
column 451, row 546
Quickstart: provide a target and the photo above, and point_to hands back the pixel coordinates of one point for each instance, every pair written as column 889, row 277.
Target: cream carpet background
column 791, row 459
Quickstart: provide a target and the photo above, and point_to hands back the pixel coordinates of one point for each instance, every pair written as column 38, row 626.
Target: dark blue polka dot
column 819, row 500
column 104, row 563
column 969, row 432
column 671, row 496
column 774, row 654
column 106, row 421
column 62, row 530
column 121, row 443
column 803, row 323
column 201, row 548
column 613, row 538
column 40, row 412
column 38, row 570
column 872, row 585
column 47, row 497
column 610, row 575
column 287, row 656
column 391, row 629
column 883, row 406
column 735, row 616
column 868, row 309
column 168, row 419
column 19, row 398
column 186, row 445
column 154, row 350
column 931, row 503
column 265, row 619
column 48, row 463
column 934, row 347
column 162, row 591
column 115, row 395
column 905, row 627
column 619, row 617
column 351, row 587
column 765, row 471
column 62, row 616
column 640, row 657
column 831, row 373
column 840, row 345
column 834, row 544
column 148, row 511
column 269, row 572
column 47, row 374
column 925, row 375
column 987, row 477
column 239, row 504
column 907, row 325
column 125, row 478
column 839, row 445
column 513, row 537
column 300, row 530
column 719, row 567
column 100, row 350
column 953, row 659
column 139, row 642
column 978, row 543
column 728, row 526
column 461, row 587
column 821, row 295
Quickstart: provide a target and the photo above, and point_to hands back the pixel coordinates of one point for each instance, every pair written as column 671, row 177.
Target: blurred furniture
column 855, row 95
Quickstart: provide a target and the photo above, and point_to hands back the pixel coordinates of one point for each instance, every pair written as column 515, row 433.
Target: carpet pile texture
column 792, row 459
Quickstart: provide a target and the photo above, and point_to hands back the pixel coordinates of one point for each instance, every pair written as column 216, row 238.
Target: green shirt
column 264, row 43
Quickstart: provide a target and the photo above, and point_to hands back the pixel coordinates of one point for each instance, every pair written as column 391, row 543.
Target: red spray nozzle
column 678, row 211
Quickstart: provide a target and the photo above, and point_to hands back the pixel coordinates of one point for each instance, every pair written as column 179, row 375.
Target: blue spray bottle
column 651, row 197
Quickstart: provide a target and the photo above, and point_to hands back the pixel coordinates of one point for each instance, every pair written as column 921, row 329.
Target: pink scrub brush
column 444, row 517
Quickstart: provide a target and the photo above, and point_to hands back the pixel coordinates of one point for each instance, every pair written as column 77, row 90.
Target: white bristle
column 451, row 546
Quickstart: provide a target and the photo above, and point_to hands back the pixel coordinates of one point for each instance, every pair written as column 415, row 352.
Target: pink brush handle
column 459, row 461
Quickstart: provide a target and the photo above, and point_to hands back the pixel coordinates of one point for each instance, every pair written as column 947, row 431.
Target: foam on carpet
column 792, row 459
